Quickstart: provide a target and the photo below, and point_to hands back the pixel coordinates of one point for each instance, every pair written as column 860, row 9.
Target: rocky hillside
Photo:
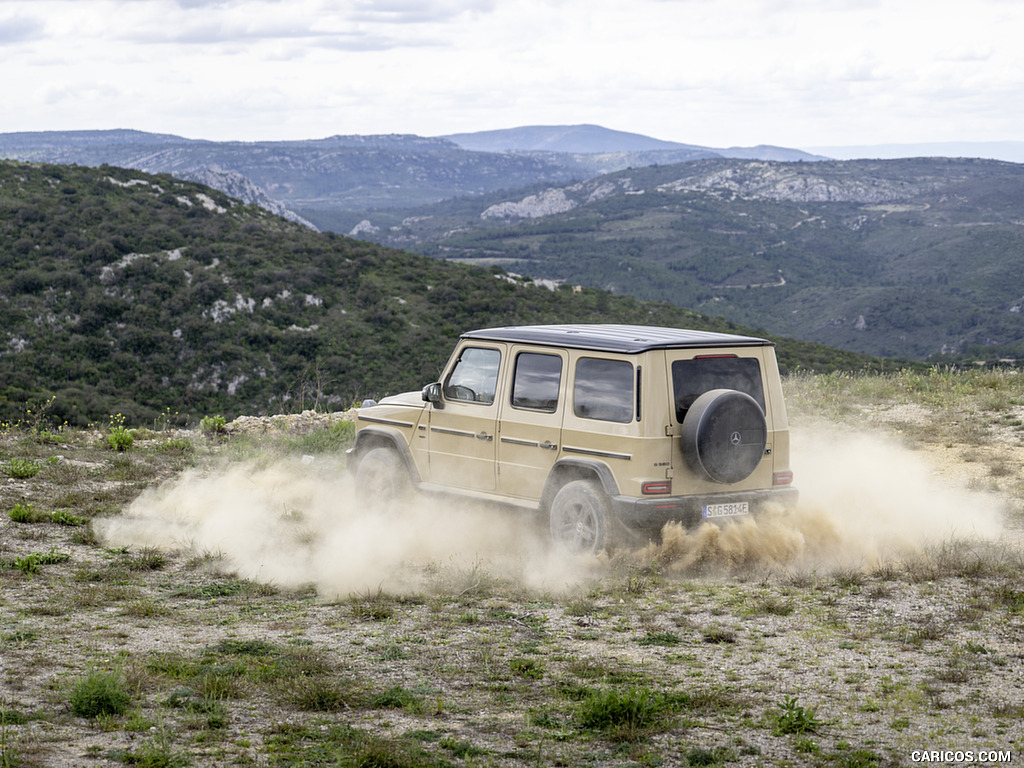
column 147, row 296
column 904, row 258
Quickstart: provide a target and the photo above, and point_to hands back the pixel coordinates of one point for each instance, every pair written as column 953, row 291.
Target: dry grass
column 633, row 664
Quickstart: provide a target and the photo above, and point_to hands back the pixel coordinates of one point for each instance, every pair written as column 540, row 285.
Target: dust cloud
column 865, row 501
column 292, row 524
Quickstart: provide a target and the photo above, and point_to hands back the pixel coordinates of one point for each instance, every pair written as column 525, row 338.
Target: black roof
column 614, row 338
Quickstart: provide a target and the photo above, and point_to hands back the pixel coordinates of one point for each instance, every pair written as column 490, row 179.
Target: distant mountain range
column 595, row 140
column 1010, row 151
column 344, row 173
column 359, row 173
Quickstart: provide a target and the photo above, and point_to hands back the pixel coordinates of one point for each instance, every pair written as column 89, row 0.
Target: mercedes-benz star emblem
column 735, row 438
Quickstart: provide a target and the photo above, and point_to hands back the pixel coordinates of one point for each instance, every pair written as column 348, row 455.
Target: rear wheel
column 381, row 479
column 580, row 518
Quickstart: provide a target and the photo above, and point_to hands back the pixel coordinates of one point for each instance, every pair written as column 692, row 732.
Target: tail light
column 782, row 478
column 656, row 488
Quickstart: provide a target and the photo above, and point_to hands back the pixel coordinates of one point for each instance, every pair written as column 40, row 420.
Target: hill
column 123, row 292
column 597, row 140
column 906, row 258
column 319, row 177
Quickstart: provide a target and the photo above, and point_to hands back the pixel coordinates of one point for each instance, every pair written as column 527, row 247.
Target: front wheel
column 381, row 479
column 580, row 516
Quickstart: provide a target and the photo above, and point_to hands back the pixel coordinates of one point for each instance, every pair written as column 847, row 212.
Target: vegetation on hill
column 905, row 258
column 147, row 296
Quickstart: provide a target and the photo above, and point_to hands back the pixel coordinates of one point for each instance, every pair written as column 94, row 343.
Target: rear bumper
column 654, row 512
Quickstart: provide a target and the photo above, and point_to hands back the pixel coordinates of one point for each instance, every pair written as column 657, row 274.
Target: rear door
column 530, row 421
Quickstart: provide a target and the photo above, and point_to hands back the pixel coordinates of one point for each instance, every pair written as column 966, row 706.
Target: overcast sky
column 795, row 73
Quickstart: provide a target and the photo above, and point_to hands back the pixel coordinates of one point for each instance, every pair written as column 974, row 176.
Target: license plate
column 725, row 510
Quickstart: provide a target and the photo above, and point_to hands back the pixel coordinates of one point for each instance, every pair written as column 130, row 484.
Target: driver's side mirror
column 432, row 394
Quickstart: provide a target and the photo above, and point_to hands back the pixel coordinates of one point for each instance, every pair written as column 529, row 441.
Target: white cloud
column 18, row 29
column 717, row 72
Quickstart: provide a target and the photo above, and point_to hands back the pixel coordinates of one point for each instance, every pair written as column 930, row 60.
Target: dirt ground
column 232, row 589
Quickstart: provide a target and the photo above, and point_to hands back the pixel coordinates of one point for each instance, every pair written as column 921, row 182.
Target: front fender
column 379, row 436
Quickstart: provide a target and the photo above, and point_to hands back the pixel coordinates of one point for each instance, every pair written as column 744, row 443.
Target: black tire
column 580, row 518
column 724, row 435
column 382, row 479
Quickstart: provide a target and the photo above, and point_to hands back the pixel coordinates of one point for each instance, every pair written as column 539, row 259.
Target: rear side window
column 603, row 389
column 692, row 378
column 536, row 380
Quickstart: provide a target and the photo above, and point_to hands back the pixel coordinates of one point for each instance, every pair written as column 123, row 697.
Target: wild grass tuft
column 623, row 714
column 100, row 693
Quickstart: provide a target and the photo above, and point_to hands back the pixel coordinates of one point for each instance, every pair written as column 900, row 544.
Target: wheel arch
column 567, row 470
column 380, row 437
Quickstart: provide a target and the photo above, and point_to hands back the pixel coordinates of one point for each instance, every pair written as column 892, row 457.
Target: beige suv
column 602, row 428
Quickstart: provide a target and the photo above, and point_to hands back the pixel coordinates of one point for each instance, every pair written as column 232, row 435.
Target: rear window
column 692, row 378
column 603, row 389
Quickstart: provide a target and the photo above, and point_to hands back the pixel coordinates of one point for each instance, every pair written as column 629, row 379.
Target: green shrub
column 157, row 753
column 213, row 425
column 395, row 697
column 337, row 437
column 22, row 469
column 623, row 714
column 120, row 439
column 100, row 693
column 317, row 694
column 532, row 669
column 32, row 562
column 63, row 517
column 23, row 512
column 793, row 718
column 179, row 445
column 660, row 638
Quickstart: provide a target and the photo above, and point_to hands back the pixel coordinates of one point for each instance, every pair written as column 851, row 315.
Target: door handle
column 547, row 445
column 484, row 436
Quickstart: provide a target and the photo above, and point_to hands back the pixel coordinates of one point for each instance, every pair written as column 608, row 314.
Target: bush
column 63, row 517
column 101, row 693
column 26, row 513
column 120, row 439
column 22, row 469
column 33, row 561
column 213, row 425
column 793, row 718
column 625, row 714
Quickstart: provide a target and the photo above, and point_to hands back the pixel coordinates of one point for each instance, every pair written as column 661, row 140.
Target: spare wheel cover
column 724, row 435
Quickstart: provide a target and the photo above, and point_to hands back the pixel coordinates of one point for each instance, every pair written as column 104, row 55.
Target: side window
column 474, row 379
column 536, row 380
column 603, row 389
